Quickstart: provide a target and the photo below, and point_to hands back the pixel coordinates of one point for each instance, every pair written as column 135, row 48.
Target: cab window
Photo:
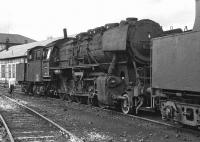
column 37, row 55
column 34, row 55
column 46, row 53
column 49, row 52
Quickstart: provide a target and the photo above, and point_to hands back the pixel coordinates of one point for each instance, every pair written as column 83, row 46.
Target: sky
column 41, row 19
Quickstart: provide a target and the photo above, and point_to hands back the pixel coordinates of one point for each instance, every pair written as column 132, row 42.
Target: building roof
column 21, row 50
column 14, row 38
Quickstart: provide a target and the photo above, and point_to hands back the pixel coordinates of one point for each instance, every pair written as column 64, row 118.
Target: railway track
column 155, row 119
column 25, row 124
column 149, row 118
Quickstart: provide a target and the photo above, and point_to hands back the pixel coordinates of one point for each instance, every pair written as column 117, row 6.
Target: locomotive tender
column 133, row 65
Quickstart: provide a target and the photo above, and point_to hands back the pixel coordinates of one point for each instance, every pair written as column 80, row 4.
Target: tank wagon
column 100, row 66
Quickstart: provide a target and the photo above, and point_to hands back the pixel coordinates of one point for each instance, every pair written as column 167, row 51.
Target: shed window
column 30, row 56
column 3, row 71
column 9, row 71
column 13, row 70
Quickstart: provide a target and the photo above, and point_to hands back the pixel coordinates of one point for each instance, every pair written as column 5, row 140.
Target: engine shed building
column 8, row 40
column 14, row 55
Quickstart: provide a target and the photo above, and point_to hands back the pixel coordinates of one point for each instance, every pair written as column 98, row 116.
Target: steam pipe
column 113, row 64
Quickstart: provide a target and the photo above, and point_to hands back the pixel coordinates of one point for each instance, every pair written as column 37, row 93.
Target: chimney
column 65, row 33
column 7, row 43
column 197, row 17
column 131, row 20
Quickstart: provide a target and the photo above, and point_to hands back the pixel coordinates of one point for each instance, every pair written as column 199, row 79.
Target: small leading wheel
column 77, row 99
column 101, row 105
column 125, row 105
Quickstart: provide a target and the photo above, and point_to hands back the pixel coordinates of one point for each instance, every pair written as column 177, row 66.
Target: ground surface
column 95, row 125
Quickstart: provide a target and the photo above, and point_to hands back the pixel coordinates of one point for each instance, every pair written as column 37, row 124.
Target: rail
column 72, row 137
column 7, row 129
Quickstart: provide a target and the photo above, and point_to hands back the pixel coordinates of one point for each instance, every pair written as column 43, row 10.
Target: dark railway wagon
column 175, row 62
column 175, row 74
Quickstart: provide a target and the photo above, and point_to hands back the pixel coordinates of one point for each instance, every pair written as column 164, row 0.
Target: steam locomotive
column 101, row 65
column 133, row 65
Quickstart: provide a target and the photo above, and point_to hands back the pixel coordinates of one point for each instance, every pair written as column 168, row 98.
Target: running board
column 149, row 109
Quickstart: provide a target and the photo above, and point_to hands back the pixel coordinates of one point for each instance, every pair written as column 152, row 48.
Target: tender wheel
column 62, row 96
column 55, row 93
column 25, row 90
column 125, row 105
column 92, row 100
column 36, row 90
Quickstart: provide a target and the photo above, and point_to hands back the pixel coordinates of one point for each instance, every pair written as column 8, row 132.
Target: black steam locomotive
column 100, row 66
column 133, row 65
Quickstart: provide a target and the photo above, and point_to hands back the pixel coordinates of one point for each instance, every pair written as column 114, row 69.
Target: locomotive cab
column 31, row 80
column 34, row 65
column 39, row 79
